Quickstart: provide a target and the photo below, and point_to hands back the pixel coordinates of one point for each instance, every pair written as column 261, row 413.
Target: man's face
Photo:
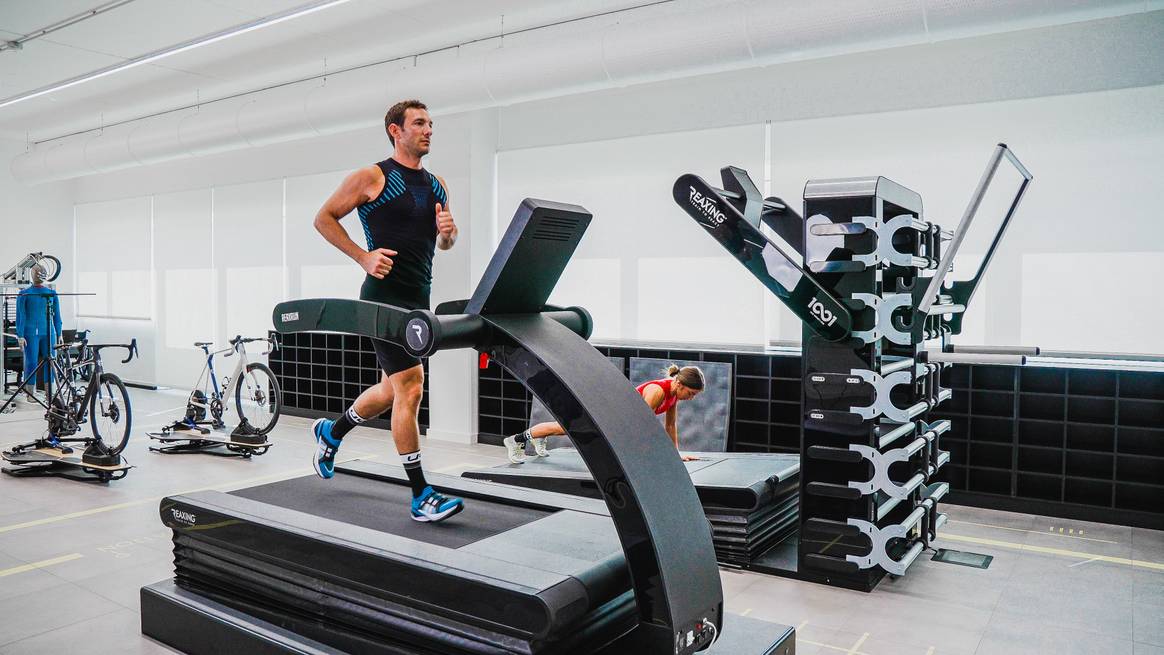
column 416, row 134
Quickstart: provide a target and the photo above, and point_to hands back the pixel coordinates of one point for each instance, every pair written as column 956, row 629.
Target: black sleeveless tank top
column 403, row 218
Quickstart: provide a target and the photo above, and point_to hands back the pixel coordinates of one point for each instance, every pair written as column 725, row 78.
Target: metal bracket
column 879, row 539
column 882, row 405
column 884, row 250
column 884, row 308
column 881, row 463
column 931, row 432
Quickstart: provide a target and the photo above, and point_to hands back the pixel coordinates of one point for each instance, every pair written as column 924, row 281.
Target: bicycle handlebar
column 239, row 340
column 130, row 347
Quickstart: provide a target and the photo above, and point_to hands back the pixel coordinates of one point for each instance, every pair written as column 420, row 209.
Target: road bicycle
column 252, row 386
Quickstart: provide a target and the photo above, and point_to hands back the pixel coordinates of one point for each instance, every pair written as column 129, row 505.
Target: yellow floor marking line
column 40, row 565
column 930, row 650
column 847, row 651
column 1155, row 566
column 154, row 499
column 856, row 647
column 1051, row 532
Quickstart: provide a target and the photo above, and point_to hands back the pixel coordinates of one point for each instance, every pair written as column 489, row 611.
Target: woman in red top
column 662, row 396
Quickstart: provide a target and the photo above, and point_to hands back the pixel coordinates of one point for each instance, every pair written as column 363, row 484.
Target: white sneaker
column 540, row 447
column 516, row 451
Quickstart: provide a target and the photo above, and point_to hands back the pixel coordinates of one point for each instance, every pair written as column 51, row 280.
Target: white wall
column 233, row 235
column 36, row 219
column 644, row 270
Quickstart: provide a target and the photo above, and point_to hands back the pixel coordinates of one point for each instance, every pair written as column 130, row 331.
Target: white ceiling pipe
column 155, row 140
column 697, row 40
column 732, row 35
column 800, row 30
column 513, row 76
column 109, row 151
column 348, row 101
column 951, row 19
column 28, row 166
column 68, row 158
column 276, row 116
column 212, row 129
column 446, row 81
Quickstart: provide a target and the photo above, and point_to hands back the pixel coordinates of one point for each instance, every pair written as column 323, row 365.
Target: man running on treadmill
column 404, row 211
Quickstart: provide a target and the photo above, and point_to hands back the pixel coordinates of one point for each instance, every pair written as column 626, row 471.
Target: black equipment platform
column 176, row 612
column 751, row 499
column 521, row 571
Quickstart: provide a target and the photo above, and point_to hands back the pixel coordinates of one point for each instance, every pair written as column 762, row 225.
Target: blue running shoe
column 324, row 460
column 432, row 506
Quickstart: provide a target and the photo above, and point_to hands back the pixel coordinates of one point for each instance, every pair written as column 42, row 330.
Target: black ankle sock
column 345, row 423
column 522, row 438
column 411, row 463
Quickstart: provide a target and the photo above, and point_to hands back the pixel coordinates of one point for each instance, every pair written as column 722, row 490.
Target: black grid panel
column 1088, row 440
column 765, row 415
column 322, row 374
column 1079, row 443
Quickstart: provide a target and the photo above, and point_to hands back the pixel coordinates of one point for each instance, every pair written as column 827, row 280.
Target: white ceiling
column 351, row 34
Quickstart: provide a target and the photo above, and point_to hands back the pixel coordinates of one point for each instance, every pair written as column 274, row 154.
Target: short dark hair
column 396, row 114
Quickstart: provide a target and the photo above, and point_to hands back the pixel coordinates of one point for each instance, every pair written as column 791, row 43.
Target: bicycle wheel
column 258, row 399
column 109, row 413
column 52, row 267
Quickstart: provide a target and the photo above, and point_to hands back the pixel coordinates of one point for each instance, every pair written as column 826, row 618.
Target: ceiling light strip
column 150, row 57
column 356, row 67
column 16, row 44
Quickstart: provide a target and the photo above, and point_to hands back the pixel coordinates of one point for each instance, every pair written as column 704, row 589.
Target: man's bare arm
column 446, row 227
column 353, row 191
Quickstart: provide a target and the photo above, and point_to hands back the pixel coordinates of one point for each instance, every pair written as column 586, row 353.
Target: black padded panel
column 384, row 507
column 703, row 420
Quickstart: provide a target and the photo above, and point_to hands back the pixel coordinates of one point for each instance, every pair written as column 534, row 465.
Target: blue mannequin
column 35, row 334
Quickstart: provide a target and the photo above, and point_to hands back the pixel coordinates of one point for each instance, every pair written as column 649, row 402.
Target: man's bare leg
column 427, row 503
column 329, row 433
column 407, row 389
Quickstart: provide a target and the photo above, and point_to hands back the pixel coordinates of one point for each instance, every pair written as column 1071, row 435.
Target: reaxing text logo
column 708, row 206
column 183, row 516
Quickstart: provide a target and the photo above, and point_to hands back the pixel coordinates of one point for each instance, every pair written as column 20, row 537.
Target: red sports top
column 669, row 398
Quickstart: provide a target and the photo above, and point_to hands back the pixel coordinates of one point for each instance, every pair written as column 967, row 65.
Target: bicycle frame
column 208, row 374
column 66, row 391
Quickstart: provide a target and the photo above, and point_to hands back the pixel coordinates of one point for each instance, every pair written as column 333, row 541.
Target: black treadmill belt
column 383, row 506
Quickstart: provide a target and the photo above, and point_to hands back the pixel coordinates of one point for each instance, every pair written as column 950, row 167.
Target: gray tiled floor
column 1043, row 593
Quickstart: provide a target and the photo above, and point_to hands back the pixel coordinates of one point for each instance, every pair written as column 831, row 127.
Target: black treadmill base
column 197, row 625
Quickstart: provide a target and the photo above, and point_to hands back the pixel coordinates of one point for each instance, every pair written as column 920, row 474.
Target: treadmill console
column 530, row 259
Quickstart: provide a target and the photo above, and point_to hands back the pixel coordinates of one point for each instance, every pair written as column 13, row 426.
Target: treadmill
column 752, row 500
column 313, row 566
